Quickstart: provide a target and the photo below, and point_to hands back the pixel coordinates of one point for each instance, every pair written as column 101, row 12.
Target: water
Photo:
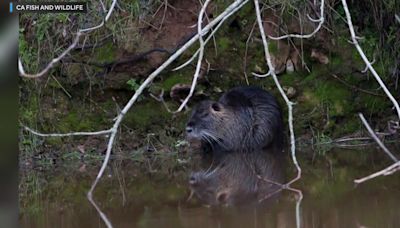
column 133, row 197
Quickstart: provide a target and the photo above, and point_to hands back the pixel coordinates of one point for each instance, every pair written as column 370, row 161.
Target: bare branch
column 384, row 172
column 236, row 5
column 211, row 35
column 366, row 67
column 139, row 91
column 68, row 134
column 261, row 75
column 365, row 59
column 377, row 140
column 320, row 21
column 66, row 51
column 288, row 102
column 200, row 59
column 52, row 63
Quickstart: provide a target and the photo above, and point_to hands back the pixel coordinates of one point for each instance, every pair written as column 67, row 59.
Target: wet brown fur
column 238, row 179
column 245, row 120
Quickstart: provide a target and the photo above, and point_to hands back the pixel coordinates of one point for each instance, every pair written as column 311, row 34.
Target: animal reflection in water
column 238, row 179
column 242, row 132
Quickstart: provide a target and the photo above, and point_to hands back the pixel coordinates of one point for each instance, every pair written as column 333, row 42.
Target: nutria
column 244, row 119
column 238, row 179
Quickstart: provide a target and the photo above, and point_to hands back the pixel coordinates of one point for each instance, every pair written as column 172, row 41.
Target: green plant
column 133, row 85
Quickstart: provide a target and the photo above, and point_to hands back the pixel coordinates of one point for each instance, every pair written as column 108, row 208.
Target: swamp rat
column 245, row 119
column 239, row 179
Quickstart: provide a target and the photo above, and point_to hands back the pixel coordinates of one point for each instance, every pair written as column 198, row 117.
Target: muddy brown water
column 133, row 198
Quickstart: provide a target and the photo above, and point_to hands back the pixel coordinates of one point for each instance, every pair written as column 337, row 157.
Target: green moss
column 76, row 120
column 372, row 104
column 176, row 78
column 319, row 72
column 54, row 141
column 107, row 53
column 310, row 98
column 30, row 107
column 349, row 125
column 246, row 10
column 337, row 97
column 290, row 79
column 147, row 114
column 336, row 61
column 356, row 58
column 224, row 44
column 273, row 47
column 72, row 121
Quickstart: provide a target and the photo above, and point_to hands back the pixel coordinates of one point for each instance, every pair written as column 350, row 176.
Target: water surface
column 133, row 196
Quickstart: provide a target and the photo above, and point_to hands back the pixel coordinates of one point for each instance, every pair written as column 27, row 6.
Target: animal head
column 214, row 124
column 209, row 189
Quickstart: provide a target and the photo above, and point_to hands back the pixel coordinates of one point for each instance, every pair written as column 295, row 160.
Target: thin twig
column 288, row 102
column 200, row 58
column 104, row 132
column 211, row 35
column 68, row 50
column 245, row 52
column 114, row 130
column 377, row 140
column 139, row 91
column 355, row 87
column 52, row 62
column 365, row 59
column 320, row 21
column 290, row 112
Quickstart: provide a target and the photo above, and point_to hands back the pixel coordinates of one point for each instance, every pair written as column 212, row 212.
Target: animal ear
column 222, row 197
column 216, row 107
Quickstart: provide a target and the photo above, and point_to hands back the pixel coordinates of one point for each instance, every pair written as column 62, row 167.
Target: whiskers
column 211, row 139
column 202, row 176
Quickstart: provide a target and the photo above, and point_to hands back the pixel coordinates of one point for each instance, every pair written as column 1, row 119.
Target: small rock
column 217, row 90
column 290, row 92
column 319, row 56
column 289, row 66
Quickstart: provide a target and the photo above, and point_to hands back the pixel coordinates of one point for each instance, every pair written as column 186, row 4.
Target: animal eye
column 204, row 114
column 216, row 107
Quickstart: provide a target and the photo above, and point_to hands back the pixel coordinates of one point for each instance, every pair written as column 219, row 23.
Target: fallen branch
column 387, row 171
column 384, row 172
column 377, row 140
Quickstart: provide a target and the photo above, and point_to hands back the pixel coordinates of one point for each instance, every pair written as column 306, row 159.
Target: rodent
column 245, row 119
column 239, row 179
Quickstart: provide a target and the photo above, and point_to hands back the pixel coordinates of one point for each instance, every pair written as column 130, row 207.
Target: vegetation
column 83, row 93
